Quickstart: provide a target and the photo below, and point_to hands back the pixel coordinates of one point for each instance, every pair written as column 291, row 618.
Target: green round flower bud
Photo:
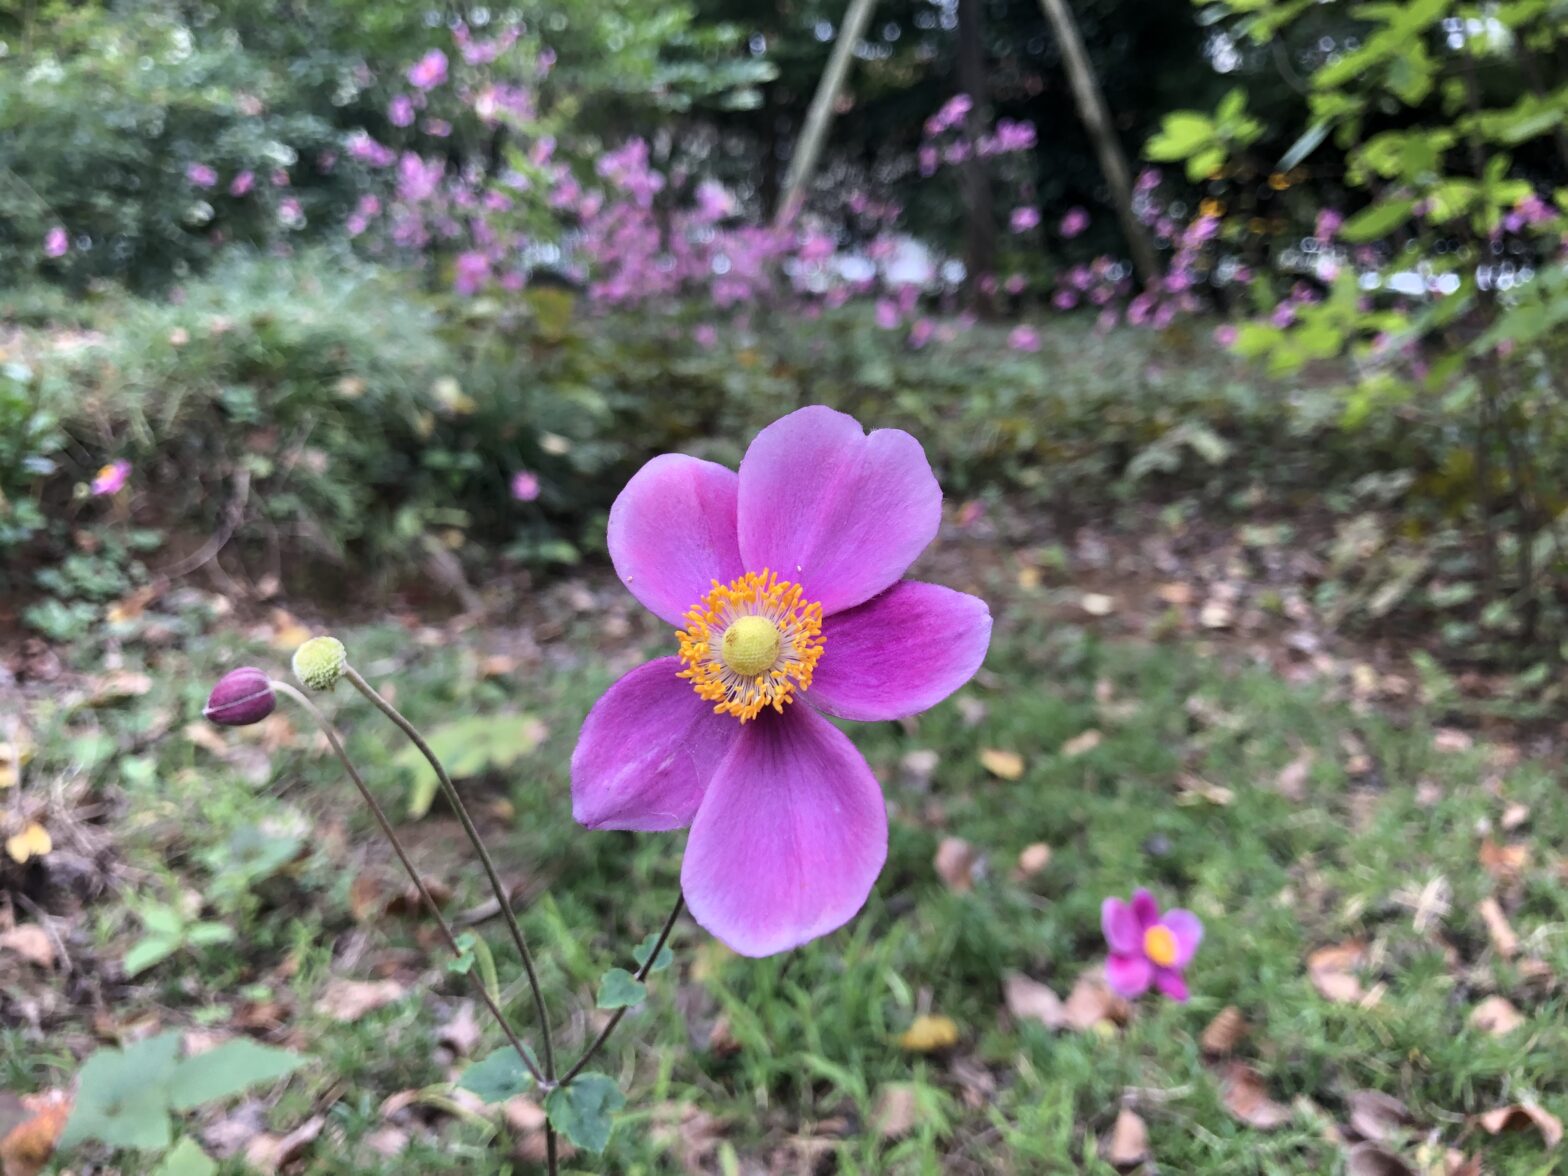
column 319, row 662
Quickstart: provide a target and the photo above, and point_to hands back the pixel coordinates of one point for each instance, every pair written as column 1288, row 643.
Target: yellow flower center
column 1160, row 945
column 750, row 644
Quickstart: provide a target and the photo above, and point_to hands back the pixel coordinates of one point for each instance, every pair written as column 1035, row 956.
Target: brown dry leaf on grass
column 1291, row 783
column 1082, row 743
column 31, row 942
column 349, row 1000
column 1503, row 862
column 1029, row 1000
column 1005, row 765
column 463, row 1032
column 1496, row 1015
column 1377, row 1116
column 1497, row 928
column 1224, row 1033
column 1092, row 1002
column 32, row 842
column 1031, row 860
column 896, row 1111
column 928, row 1033
column 29, row 1126
column 957, row 864
column 1332, row 971
column 270, row 1153
column 1127, row 1146
column 1247, row 1098
column 1522, row 1117
column 1373, row 1159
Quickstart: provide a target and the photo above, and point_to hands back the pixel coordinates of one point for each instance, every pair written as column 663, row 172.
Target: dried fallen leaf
column 32, row 842
column 270, row 1153
column 31, row 942
column 117, row 686
column 1082, row 743
column 1377, row 1116
column 1031, row 860
column 1504, row 862
column 349, row 1000
column 1175, row 593
column 1521, row 1117
column 1128, row 1144
column 1502, row 935
column 1451, row 739
column 1496, row 1015
column 1515, row 816
column 1247, row 1098
column 896, row 1111
column 919, row 765
column 1097, row 604
column 462, row 1033
column 1373, row 1159
column 1332, row 971
column 1091, row 1002
column 1193, row 789
column 956, row 864
column 1291, row 783
column 1029, row 1000
column 1224, row 1033
column 1216, row 614
column 930, row 1032
column 1008, row 765
column 28, row 1146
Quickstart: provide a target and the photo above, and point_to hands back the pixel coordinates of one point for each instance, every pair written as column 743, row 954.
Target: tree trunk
column 1097, row 121
column 808, row 149
column 980, row 215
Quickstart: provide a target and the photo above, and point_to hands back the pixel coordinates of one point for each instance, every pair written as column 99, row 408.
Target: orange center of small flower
column 750, row 644
column 1160, row 945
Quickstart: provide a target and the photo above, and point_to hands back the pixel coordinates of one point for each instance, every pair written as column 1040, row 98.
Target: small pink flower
column 1024, row 218
column 1327, row 225
column 1225, row 334
column 200, row 175
column 111, row 478
column 920, row 334
column 400, row 111
column 887, row 314
column 525, row 486
column 786, row 583
column 1075, row 222
column 1148, row 948
column 429, row 71
column 1064, row 299
column 242, row 183
column 56, row 242
column 1024, row 338
column 705, row 335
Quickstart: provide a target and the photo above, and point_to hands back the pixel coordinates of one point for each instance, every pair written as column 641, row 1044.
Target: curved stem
column 501, row 895
column 642, row 974
column 331, row 733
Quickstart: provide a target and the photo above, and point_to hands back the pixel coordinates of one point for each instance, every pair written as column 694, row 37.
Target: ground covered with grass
column 1384, row 897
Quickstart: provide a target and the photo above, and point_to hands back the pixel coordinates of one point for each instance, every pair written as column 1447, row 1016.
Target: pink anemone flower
column 1147, row 947
column 785, row 583
column 111, row 478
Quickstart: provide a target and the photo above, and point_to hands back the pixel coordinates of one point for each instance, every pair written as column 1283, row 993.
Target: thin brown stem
column 642, row 974
column 450, row 792
column 387, row 831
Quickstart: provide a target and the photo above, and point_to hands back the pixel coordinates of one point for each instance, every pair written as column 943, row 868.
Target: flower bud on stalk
column 319, row 662
column 241, row 697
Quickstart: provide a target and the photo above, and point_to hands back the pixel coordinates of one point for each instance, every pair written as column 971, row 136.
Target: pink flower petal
column 1145, row 910
column 672, row 533
column 789, row 838
column 1128, row 975
column 647, row 751
column 1188, row 930
column 1120, row 925
column 901, row 652
column 1170, row 982
column 825, row 505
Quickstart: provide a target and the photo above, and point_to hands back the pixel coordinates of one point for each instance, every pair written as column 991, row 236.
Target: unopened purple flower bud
column 241, row 697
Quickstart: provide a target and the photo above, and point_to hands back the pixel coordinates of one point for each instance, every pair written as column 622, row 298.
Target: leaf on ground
column 1496, row 1015
column 1194, row 789
column 919, row 765
column 1291, row 783
column 1332, row 971
column 1377, row 1116
column 31, row 942
column 122, row 1096
column 1005, row 765
column 1127, row 1146
column 32, row 842
column 619, row 989
column 1223, row 1034
column 584, row 1111
column 39, row 1119
column 1029, row 1000
column 468, row 747
column 228, row 1069
column 1031, row 860
column 1247, row 1098
column 1092, row 1003
column 1082, row 743
column 1522, row 1117
column 1504, row 941
column 928, row 1033
column 897, row 1110
column 117, row 686
column 462, row 1032
column 1097, row 604
column 349, row 1000
column 1450, row 740
column 1373, row 1159
column 186, row 1159
column 497, row 1077
column 1514, row 817
column 270, row 1153
column 956, row 864
column 1504, row 862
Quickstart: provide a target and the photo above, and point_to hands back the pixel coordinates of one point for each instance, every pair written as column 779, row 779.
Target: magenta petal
column 1188, row 930
column 901, row 652
column 1127, row 975
column 1170, row 982
column 672, row 533
column 1120, row 925
column 647, row 751
column 789, row 838
column 1145, row 910
column 826, row 506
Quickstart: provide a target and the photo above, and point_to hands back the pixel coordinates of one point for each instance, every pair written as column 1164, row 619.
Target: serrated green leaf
column 227, row 1070
column 619, row 989
column 497, row 1077
column 122, row 1096
column 584, row 1112
column 186, row 1159
column 641, row 952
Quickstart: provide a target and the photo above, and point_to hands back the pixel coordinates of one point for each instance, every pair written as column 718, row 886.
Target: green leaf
column 186, row 1159
column 468, row 747
column 1376, row 221
column 584, row 1112
column 122, row 1096
column 497, row 1076
column 1181, row 133
column 619, row 989
column 643, row 950
column 205, row 934
column 227, row 1070
column 152, row 950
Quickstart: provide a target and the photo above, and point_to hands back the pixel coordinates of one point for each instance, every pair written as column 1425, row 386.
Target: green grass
column 815, row 1033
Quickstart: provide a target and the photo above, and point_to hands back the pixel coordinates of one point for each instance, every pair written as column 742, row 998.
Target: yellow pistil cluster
column 1159, row 944
column 750, row 644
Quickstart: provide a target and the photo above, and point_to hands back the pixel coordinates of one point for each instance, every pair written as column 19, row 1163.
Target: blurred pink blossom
column 429, row 71
column 200, row 175
column 57, row 242
column 525, row 486
column 1024, row 338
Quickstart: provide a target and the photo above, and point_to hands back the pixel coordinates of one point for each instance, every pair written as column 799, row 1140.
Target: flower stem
column 330, row 732
column 501, row 895
column 615, row 1018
